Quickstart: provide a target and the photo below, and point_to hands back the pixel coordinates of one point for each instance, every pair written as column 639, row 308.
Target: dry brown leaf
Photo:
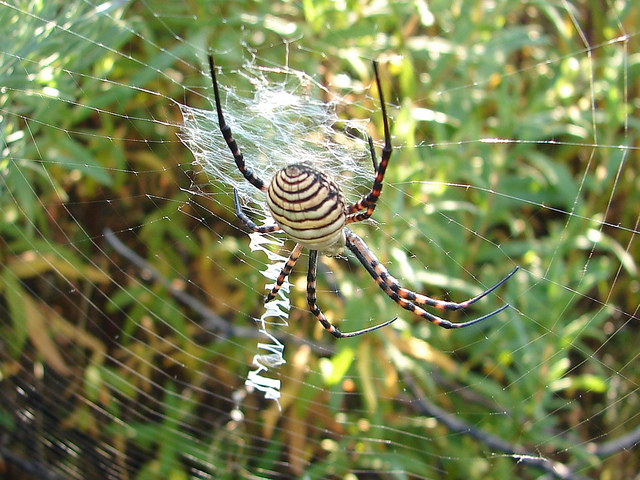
column 31, row 264
column 424, row 351
column 37, row 327
column 289, row 393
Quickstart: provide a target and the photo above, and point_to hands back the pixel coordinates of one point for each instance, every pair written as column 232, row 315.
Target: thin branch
column 212, row 321
column 606, row 449
column 454, row 424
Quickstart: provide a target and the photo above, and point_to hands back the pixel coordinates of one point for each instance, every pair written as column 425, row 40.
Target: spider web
column 133, row 330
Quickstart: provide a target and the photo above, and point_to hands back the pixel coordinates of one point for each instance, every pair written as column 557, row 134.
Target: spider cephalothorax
column 309, row 206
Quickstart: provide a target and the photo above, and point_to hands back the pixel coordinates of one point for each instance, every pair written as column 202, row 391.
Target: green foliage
column 78, row 110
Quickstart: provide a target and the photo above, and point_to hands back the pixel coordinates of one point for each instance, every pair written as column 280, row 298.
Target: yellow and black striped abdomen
column 309, row 206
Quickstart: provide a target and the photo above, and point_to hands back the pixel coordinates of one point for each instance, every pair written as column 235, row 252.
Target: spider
column 309, row 206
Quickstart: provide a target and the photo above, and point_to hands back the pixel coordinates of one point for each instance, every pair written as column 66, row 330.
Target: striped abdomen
column 309, row 206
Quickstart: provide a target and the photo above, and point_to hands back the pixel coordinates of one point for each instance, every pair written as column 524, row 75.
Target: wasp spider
column 309, row 206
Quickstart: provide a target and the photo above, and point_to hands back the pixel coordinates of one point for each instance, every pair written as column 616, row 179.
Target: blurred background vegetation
column 107, row 375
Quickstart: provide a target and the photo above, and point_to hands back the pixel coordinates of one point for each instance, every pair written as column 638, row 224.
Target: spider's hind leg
column 369, row 201
column 248, row 174
column 247, row 221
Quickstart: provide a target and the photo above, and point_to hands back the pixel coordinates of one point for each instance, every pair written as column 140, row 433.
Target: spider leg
column 368, row 202
column 372, row 151
column 311, row 299
column 284, row 273
column 248, row 222
column 228, row 137
column 361, row 204
column 408, row 299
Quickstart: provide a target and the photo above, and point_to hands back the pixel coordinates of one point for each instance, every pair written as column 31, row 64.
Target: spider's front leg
column 291, row 261
column 311, row 299
column 410, row 300
column 285, row 272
